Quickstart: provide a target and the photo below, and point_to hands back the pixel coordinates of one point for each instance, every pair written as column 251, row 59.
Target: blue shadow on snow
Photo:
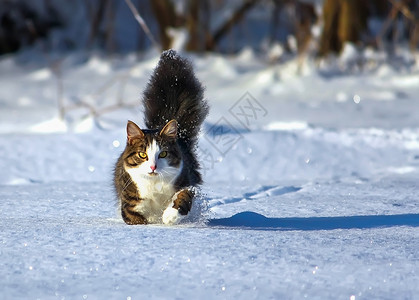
column 252, row 220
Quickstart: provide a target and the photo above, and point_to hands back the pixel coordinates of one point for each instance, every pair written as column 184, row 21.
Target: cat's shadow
column 254, row 221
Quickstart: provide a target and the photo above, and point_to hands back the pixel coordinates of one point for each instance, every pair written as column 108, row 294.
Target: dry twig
column 398, row 6
column 142, row 23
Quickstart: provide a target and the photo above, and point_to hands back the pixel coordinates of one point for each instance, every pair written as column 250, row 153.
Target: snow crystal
column 357, row 99
column 170, row 54
column 116, row 143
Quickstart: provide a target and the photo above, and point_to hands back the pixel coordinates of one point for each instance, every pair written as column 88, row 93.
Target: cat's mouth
column 153, row 173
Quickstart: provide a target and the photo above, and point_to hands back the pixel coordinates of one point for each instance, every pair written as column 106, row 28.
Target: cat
column 156, row 175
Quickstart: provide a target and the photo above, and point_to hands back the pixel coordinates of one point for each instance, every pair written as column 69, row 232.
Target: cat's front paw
column 183, row 201
column 171, row 216
column 182, row 204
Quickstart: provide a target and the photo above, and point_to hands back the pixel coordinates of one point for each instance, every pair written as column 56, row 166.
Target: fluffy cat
column 155, row 175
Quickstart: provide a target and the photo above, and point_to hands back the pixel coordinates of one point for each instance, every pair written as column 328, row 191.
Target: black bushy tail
column 174, row 92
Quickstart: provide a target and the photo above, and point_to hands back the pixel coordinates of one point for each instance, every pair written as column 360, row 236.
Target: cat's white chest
column 156, row 195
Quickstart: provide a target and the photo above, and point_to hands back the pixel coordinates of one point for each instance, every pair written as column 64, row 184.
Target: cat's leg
column 179, row 207
column 131, row 216
column 129, row 201
column 183, row 201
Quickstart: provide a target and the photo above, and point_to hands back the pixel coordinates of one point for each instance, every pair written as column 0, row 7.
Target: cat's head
column 152, row 154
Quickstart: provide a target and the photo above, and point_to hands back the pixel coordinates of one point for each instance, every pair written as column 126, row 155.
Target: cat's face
column 152, row 154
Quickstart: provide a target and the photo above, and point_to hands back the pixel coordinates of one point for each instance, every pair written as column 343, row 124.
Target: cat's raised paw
column 171, row 216
column 181, row 205
column 183, row 201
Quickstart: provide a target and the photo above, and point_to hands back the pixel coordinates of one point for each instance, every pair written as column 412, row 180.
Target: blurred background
column 278, row 28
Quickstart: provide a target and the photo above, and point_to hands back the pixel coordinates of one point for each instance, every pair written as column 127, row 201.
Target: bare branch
column 142, row 23
column 402, row 7
column 95, row 23
column 398, row 6
column 226, row 27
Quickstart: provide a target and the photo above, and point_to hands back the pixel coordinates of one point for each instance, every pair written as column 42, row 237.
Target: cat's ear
column 133, row 133
column 169, row 130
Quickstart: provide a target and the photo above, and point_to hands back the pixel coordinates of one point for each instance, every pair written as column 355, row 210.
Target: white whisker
column 129, row 181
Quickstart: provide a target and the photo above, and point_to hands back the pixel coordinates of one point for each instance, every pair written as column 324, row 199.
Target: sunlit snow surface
column 311, row 186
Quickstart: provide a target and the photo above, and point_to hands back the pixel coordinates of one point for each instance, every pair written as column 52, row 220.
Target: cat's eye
column 163, row 154
column 142, row 155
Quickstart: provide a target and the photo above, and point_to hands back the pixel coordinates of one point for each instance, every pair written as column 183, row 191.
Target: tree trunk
column 96, row 19
column 344, row 21
column 305, row 17
column 329, row 39
column 193, row 26
column 352, row 20
column 165, row 14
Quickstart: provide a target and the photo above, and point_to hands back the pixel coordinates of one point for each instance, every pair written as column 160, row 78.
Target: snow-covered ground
column 311, row 183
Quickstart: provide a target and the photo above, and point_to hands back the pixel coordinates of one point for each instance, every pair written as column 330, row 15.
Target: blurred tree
column 101, row 16
column 21, row 24
column 402, row 23
column 195, row 19
column 235, row 17
column 166, row 17
column 95, row 15
column 344, row 21
column 296, row 19
column 305, row 18
column 198, row 24
column 414, row 39
column 209, row 25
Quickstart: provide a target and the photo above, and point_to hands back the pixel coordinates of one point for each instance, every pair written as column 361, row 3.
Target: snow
column 310, row 187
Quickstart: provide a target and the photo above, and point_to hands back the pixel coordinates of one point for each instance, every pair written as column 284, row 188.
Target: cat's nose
column 153, row 168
